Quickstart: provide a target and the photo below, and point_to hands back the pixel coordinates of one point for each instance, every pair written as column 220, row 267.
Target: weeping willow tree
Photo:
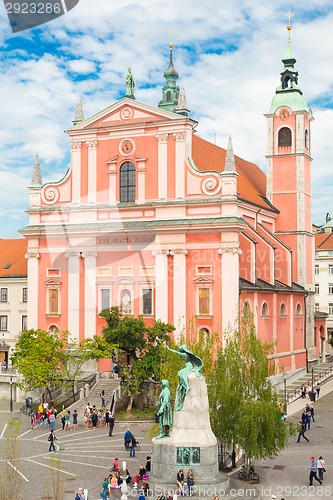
column 243, row 402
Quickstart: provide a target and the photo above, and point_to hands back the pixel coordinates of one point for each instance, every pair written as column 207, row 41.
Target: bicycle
column 248, row 473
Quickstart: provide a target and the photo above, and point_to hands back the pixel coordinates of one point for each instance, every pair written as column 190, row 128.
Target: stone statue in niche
column 126, row 303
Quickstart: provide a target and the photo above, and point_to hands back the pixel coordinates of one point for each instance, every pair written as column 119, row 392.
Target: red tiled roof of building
column 12, row 257
column 251, row 182
column 324, row 241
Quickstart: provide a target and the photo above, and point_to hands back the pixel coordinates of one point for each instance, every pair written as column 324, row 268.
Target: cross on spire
column 289, row 15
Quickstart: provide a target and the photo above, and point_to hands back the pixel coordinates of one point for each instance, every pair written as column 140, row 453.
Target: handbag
column 324, row 470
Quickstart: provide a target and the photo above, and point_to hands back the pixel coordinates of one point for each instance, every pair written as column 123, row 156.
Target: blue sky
column 228, row 57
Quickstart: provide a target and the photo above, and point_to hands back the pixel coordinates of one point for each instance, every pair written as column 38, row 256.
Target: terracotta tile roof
column 251, row 181
column 324, row 241
column 12, row 257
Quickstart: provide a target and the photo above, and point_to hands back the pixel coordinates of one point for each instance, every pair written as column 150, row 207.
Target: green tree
column 75, row 355
column 47, row 359
column 38, row 355
column 144, row 344
column 244, row 404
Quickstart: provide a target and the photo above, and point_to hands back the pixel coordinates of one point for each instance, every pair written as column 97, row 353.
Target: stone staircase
column 322, row 373
column 108, row 385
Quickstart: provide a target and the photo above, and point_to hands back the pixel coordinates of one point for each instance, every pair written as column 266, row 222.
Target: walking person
column 52, row 421
column 127, row 439
column 68, row 420
column 132, row 447
column 318, row 389
column 51, row 440
column 308, row 416
column 75, row 424
column 301, row 428
column 313, row 472
column 312, row 413
column 321, row 466
column 111, row 424
column 102, row 396
column 303, row 391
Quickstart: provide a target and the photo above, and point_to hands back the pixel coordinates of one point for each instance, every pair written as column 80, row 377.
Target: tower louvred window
column 284, row 137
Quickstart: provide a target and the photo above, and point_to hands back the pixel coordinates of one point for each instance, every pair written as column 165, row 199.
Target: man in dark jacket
column 111, row 424
column 127, row 439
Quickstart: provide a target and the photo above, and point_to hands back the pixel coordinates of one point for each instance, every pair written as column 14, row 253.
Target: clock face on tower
column 284, row 115
column 126, row 147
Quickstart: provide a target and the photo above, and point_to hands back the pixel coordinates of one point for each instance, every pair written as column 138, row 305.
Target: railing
column 4, row 370
column 295, row 394
column 90, row 380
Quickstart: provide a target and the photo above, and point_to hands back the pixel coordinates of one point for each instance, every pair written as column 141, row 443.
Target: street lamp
column 11, row 393
column 312, row 382
column 285, row 394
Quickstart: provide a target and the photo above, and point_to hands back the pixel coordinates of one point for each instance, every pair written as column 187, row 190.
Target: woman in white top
column 321, row 466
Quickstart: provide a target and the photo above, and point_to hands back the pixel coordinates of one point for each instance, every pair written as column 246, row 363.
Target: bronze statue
column 130, row 83
column 165, row 411
column 193, row 364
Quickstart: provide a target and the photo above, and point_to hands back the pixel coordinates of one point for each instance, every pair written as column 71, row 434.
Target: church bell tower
column 289, row 176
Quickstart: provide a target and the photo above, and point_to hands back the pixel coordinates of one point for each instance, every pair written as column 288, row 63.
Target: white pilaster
column 90, row 304
column 230, row 284
column 32, row 310
column 73, row 324
column 180, row 163
column 76, row 171
column 113, row 179
column 92, row 170
column 162, row 166
column 141, row 179
column 161, row 297
column 179, row 291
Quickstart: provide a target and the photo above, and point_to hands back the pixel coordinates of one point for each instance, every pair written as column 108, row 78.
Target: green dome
column 293, row 99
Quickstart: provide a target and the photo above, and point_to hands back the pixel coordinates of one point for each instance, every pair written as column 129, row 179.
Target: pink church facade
column 156, row 220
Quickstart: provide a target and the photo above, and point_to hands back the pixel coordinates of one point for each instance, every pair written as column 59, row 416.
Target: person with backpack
column 51, row 440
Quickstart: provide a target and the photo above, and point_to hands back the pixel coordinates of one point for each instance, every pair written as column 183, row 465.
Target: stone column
column 180, row 163
column 92, row 170
column 73, row 323
column 76, row 171
column 179, row 290
column 230, row 284
column 90, row 305
column 162, row 165
column 161, row 291
column 33, row 288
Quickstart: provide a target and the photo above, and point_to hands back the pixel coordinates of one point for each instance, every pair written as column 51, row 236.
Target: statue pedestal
column 191, row 445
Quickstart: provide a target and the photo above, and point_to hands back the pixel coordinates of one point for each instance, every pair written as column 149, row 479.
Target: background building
column 13, row 294
column 155, row 219
column 324, row 274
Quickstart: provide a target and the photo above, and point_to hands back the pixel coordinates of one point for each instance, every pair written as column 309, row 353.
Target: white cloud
column 86, row 54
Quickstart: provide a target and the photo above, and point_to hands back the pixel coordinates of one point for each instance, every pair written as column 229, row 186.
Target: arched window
column 264, row 310
column 283, row 309
column 298, row 310
column 204, row 334
column 284, row 138
column 306, row 139
column 127, row 182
